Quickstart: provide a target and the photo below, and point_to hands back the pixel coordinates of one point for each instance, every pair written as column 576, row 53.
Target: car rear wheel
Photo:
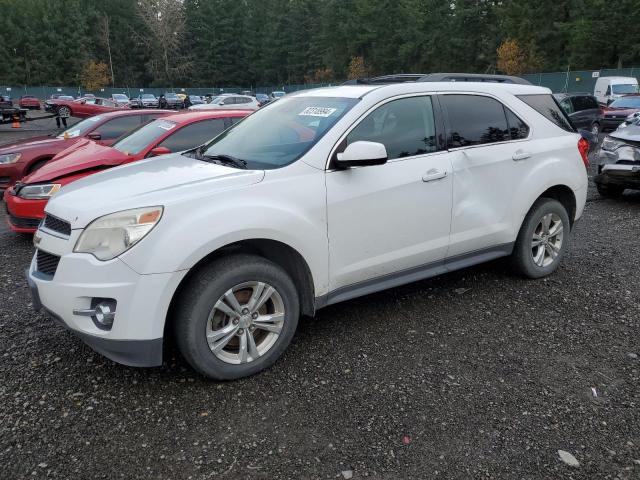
column 542, row 240
column 236, row 317
column 610, row 191
column 64, row 111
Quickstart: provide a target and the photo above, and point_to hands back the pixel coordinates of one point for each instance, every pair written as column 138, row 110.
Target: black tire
column 609, row 191
column 62, row 109
column 199, row 297
column 522, row 256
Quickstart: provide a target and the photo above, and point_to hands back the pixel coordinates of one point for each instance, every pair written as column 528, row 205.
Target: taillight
column 583, row 148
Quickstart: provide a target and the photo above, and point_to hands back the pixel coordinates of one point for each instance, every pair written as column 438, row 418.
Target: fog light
column 102, row 312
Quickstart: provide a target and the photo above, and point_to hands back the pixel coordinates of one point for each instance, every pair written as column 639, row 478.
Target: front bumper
column 23, row 216
column 142, row 301
column 627, row 176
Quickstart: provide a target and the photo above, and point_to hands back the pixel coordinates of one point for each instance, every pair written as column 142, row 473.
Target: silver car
column 618, row 161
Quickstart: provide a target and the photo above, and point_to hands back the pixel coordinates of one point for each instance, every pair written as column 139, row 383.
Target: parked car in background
column 229, row 102
column 619, row 110
column 173, row 133
column 262, row 99
column 5, row 101
column 618, row 161
column 608, row 89
column 172, row 100
column 22, row 157
column 29, row 101
column 61, row 96
column 196, row 100
column 277, row 94
column 120, row 98
column 82, row 107
column 324, row 196
column 145, row 100
column 583, row 110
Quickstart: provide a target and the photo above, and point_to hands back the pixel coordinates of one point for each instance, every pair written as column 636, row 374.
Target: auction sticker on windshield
column 317, row 112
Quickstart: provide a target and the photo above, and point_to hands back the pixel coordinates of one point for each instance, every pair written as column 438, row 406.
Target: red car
column 82, row 107
column 29, row 101
column 619, row 110
column 173, row 133
column 23, row 157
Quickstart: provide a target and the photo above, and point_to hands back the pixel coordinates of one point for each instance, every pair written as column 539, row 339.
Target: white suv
column 320, row 197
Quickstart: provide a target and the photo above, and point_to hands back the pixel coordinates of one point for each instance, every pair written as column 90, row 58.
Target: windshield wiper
column 226, row 160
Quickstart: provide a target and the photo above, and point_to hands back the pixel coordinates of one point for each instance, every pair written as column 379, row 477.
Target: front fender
column 293, row 213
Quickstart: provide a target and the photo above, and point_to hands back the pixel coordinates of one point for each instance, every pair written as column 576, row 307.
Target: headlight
column 38, row 192
column 109, row 236
column 10, row 158
column 610, row 144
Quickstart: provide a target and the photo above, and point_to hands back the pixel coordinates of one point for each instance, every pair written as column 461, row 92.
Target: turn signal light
column 583, row 148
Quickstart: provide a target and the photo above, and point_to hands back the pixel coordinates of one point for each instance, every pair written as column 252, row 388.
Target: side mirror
column 157, row 151
column 94, row 136
column 360, row 154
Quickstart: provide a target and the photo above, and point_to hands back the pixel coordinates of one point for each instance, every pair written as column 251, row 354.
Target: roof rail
column 472, row 77
column 386, row 79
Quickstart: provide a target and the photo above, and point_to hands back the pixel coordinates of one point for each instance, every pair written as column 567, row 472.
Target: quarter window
column 475, row 120
column 406, row 127
column 547, row 106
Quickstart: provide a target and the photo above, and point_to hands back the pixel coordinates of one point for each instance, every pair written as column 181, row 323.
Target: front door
column 392, row 220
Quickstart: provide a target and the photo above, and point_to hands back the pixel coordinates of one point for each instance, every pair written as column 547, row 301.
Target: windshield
column 140, row 139
column 624, row 88
column 171, row 95
column 278, row 94
column 148, row 95
column 82, row 127
column 280, row 133
column 195, row 97
column 119, row 96
column 626, row 102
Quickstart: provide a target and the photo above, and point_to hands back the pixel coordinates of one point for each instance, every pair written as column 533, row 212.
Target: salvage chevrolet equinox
column 320, row 197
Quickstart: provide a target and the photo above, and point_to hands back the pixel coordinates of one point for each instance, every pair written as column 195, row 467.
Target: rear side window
column 475, row 120
column 546, row 105
column 118, row 127
column 517, row 128
column 405, row 127
column 584, row 103
column 193, row 135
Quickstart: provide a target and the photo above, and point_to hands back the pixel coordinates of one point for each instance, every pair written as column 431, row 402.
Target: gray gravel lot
column 476, row 374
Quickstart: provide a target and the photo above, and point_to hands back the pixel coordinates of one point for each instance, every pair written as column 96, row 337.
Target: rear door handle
column 433, row 174
column 521, row 155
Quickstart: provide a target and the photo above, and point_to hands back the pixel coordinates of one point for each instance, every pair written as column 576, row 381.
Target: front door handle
column 521, row 155
column 433, row 174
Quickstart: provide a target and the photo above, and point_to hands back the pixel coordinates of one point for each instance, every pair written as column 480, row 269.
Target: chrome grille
column 46, row 262
column 57, row 225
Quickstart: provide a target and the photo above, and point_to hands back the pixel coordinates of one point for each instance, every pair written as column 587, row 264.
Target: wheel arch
column 278, row 252
column 564, row 195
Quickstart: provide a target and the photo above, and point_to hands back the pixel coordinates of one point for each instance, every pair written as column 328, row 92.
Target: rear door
column 490, row 154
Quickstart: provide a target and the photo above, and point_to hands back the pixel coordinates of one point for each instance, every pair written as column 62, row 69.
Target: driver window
column 406, row 127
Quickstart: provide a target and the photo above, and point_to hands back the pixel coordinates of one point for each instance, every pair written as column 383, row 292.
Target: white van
column 609, row 88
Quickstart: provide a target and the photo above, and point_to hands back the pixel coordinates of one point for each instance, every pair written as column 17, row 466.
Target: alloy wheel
column 546, row 243
column 245, row 322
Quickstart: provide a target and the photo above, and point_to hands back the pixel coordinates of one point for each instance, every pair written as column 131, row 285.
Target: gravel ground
column 476, row 374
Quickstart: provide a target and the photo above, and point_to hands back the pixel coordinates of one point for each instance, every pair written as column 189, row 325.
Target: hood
column 620, row 111
column 33, row 143
column 87, row 156
column 164, row 180
column 630, row 133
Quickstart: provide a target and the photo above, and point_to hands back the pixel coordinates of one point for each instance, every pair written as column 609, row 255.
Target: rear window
column 547, row 106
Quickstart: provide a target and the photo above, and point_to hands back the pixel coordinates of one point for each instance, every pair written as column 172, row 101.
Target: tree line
column 272, row 42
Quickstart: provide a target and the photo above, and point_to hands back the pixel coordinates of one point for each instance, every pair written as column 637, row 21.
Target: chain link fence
column 569, row 81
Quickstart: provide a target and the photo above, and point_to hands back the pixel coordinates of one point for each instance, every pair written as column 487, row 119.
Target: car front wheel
column 542, row 240
column 236, row 316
